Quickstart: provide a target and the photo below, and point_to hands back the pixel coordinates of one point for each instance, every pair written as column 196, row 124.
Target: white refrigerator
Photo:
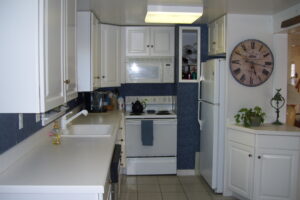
column 211, row 97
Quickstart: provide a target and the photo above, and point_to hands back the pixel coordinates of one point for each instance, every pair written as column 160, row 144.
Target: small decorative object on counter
column 55, row 133
column 250, row 117
column 277, row 102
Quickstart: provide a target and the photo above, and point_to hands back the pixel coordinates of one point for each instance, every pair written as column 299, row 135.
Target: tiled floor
column 167, row 188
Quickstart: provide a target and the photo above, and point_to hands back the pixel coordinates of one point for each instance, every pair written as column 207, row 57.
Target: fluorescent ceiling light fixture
column 172, row 14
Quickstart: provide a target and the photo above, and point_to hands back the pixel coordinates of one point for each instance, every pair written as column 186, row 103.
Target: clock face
column 251, row 63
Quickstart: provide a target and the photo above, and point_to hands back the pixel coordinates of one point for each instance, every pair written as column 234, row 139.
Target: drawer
column 278, row 142
column 241, row 137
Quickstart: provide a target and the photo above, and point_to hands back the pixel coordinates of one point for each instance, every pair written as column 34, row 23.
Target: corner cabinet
column 149, row 41
column 189, row 54
column 33, row 54
column 88, row 45
column 263, row 165
column 110, row 55
column 217, row 37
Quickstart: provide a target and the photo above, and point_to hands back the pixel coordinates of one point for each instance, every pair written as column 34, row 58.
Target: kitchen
column 258, row 26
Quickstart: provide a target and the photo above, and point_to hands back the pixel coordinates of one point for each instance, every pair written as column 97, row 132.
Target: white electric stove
column 161, row 156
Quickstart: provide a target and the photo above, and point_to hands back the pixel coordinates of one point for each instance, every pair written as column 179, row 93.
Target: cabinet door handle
column 67, row 81
column 259, row 157
column 250, row 155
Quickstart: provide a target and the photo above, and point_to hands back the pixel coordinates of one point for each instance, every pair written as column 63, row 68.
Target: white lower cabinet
column 263, row 167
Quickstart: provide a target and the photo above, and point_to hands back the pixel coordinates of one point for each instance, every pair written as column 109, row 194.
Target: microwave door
column 140, row 72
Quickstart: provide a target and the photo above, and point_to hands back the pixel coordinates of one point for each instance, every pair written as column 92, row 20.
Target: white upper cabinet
column 32, row 55
column 70, row 51
column 217, row 37
column 88, row 72
column 110, row 55
column 149, row 41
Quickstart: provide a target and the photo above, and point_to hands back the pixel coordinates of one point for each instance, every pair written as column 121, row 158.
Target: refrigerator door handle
column 204, row 101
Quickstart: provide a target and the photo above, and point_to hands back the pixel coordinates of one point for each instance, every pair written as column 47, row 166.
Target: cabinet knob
column 103, row 76
column 152, row 46
column 97, row 77
column 148, row 45
column 120, row 128
column 259, row 157
column 67, row 81
column 250, row 155
column 214, row 43
column 121, row 140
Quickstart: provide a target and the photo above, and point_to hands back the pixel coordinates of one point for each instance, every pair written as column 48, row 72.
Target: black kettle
column 138, row 107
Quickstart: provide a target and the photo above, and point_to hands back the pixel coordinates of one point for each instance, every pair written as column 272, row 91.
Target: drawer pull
column 250, row 155
column 259, row 157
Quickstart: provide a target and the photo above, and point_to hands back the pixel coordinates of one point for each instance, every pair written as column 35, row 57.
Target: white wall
column 284, row 15
column 239, row 28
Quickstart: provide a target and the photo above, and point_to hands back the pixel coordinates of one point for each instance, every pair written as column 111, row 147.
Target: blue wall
column 188, row 129
column 10, row 135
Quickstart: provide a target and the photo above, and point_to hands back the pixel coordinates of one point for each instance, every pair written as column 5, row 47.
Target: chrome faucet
column 65, row 121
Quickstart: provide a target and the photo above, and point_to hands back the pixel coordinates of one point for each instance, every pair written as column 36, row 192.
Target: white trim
column 186, row 172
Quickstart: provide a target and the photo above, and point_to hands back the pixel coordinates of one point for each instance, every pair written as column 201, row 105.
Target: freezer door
column 210, row 81
column 209, row 143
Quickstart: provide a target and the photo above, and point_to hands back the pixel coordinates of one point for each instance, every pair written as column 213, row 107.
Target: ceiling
column 132, row 12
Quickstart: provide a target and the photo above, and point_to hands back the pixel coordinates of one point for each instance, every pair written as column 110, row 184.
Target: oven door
column 164, row 139
column 144, row 72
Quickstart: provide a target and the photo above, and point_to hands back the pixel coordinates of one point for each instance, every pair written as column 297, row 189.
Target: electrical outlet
column 37, row 117
column 20, row 121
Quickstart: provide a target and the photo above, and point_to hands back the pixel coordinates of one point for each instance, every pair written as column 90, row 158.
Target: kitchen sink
column 90, row 130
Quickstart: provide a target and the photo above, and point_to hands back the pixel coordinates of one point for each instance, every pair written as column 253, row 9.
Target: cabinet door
column 212, row 38
column 220, row 46
column 162, row 41
column 52, row 85
column 95, row 54
column 276, row 173
column 240, row 169
column 110, row 47
column 70, row 50
column 137, row 41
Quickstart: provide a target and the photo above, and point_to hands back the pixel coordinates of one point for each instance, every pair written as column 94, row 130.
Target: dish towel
column 147, row 132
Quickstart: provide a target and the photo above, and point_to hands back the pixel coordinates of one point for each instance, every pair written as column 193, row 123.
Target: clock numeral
column 266, row 54
column 244, row 47
column 238, row 53
column 268, row 63
column 243, row 78
column 237, row 71
column 265, row 72
column 252, row 45
column 235, row 62
column 261, row 47
column 251, row 81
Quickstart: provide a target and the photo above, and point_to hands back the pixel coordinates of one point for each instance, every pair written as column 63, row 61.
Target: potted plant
column 250, row 117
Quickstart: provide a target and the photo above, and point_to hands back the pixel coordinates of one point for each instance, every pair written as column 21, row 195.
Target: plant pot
column 255, row 121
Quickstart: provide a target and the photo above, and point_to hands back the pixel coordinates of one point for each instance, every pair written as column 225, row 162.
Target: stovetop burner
column 132, row 113
column 163, row 112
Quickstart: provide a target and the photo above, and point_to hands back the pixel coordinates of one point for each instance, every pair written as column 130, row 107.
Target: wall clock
column 251, row 63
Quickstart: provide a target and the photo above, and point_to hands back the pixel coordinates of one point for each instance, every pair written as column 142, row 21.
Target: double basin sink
column 89, row 130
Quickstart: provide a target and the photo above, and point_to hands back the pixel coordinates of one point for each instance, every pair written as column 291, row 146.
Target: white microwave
column 150, row 71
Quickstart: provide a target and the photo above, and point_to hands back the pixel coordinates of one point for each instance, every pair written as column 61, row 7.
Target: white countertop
column 76, row 165
column 268, row 129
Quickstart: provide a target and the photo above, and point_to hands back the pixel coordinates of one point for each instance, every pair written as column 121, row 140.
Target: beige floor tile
column 171, row 188
column 174, row 196
column 189, row 179
column 198, row 196
column 147, row 180
column 148, row 188
column 149, row 196
column 129, row 188
column 129, row 180
column 194, row 187
column 128, row 196
column 169, row 180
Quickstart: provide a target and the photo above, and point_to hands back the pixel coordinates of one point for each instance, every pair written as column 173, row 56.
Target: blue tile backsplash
column 188, row 128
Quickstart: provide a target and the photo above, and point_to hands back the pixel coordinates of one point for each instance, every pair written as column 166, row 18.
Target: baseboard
column 186, row 172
